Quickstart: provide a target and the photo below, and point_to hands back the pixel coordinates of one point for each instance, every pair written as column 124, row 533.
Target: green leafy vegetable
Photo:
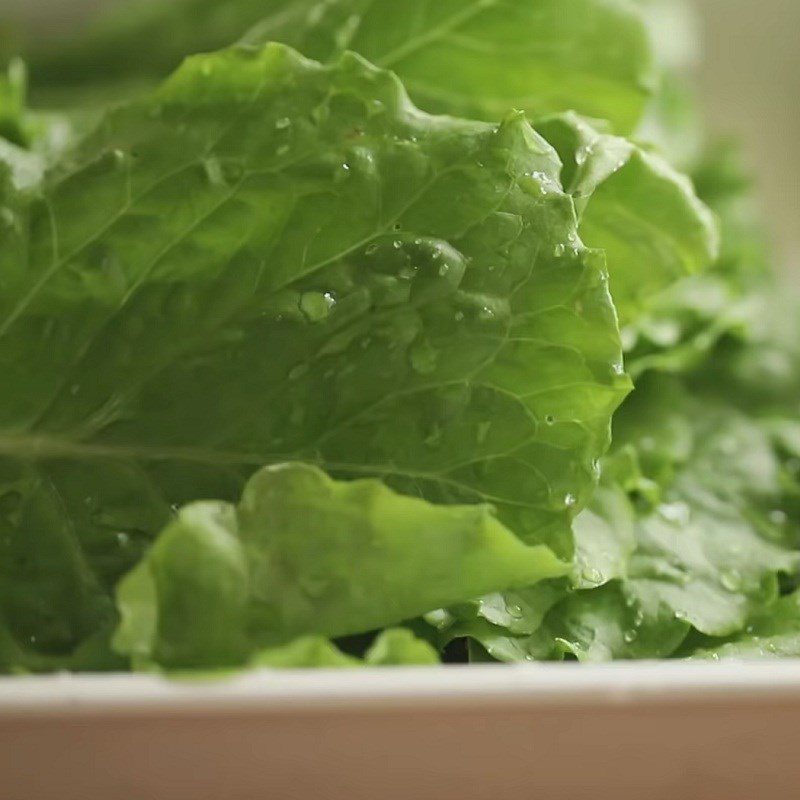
column 476, row 59
column 678, row 329
column 269, row 259
column 711, row 527
column 302, row 554
column 290, row 363
column 635, row 207
column 482, row 57
column 398, row 646
column 392, row 647
column 773, row 633
column 712, row 547
column 304, row 653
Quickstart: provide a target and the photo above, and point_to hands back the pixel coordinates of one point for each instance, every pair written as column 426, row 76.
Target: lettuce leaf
column 718, row 538
column 635, row 207
column 392, row 647
column 677, row 330
column 715, row 526
column 304, row 653
column 397, row 647
column 772, row 633
column 268, row 259
column 476, row 59
column 302, row 554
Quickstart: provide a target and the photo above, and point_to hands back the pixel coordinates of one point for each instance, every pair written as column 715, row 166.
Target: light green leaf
column 392, row 647
column 303, row 554
column 303, row 653
column 399, row 646
column 632, row 204
column 605, row 534
column 712, row 547
column 605, row 624
column 678, row 329
column 588, row 625
column 772, row 633
column 520, row 612
column 682, row 326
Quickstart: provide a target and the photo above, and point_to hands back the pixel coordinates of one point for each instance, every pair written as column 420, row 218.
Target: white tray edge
column 363, row 689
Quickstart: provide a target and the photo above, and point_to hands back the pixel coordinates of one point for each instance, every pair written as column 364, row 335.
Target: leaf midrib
column 38, row 447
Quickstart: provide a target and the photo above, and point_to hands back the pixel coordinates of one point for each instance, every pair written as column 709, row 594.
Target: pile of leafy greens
column 382, row 333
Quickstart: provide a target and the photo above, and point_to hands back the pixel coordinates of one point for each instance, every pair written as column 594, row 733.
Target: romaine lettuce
column 273, row 260
column 270, row 259
column 302, row 554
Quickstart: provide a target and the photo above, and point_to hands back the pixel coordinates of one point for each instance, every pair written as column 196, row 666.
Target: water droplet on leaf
column 514, row 610
column 316, row 305
column 591, row 575
column 342, row 173
column 213, row 170
column 678, row 512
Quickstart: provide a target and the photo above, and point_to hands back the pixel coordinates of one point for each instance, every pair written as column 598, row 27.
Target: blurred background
column 750, row 83
column 749, row 80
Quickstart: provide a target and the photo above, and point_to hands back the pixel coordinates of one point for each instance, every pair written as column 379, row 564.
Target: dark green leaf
column 473, row 58
column 269, row 259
